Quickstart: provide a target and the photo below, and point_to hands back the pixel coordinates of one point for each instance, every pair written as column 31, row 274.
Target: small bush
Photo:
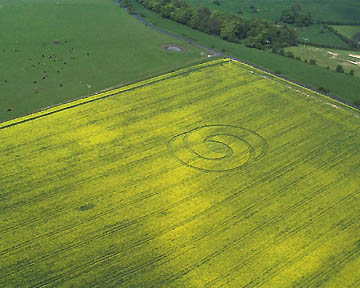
column 352, row 72
column 312, row 61
column 290, row 54
column 340, row 69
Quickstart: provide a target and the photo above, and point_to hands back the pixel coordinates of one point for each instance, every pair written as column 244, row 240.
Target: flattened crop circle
column 217, row 147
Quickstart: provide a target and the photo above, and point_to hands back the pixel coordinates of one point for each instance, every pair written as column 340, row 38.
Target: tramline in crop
column 214, row 175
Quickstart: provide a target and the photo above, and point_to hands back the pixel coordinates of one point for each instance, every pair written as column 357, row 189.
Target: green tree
column 216, row 2
column 294, row 15
column 180, row 4
column 155, row 6
column 229, row 30
column 287, row 36
column 216, row 22
column 290, row 54
column 340, row 69
column 200, row 18
column 167, row 9
column 182, row 15
column 258, row 33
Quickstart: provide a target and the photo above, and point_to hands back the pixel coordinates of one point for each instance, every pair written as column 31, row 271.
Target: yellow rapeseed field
column 217, row 175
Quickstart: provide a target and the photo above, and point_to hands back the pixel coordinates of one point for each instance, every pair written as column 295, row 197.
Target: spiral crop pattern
column 217, row 147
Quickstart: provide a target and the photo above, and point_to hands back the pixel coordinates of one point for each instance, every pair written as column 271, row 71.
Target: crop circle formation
column 217, row 147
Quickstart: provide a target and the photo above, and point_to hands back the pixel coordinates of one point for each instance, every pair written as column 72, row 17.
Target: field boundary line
column 108, row 93
column 222, row 54
column 293, row 84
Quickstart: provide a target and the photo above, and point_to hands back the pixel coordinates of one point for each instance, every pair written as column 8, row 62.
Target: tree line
column 256, row 33
column 295, row 15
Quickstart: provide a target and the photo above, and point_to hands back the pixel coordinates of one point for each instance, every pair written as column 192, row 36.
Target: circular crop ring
column 217, row 148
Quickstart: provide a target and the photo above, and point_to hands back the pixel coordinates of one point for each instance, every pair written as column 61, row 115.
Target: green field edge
column 71, row 102
column 185, row 38
column 185, row 33
column 283, row 80
column 112, row 91
column 204, row 64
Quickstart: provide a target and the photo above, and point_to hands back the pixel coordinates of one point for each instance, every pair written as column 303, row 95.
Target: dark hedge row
column 256, row 33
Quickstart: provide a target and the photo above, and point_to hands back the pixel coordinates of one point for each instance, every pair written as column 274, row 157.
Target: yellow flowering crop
column 217, row 175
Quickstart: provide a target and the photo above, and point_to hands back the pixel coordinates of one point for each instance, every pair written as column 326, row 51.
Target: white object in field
column 354, row 56
column 355, row 63
column 174, row 48
column 332, row 53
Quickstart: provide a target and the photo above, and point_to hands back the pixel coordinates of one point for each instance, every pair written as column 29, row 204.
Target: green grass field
column 217, row 175
column 341, row 86
column 318, row 35
column 324, row 58
column 346, row 30
column 328, row 10
column 55, row 51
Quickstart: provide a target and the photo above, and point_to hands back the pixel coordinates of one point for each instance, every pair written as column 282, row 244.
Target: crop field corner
column 214, row 175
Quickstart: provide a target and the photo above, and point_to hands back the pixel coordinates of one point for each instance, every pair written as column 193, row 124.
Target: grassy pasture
column 324, row 58
column 217, row 175
column 347, row 30
column 317, row 34
column 55, row 51
column 328, row 10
